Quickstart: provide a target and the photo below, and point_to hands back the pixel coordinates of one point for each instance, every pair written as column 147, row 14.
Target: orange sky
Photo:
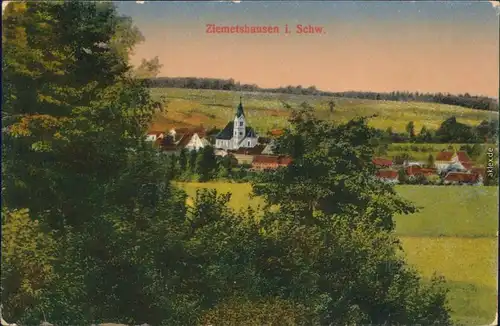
column 421, row 48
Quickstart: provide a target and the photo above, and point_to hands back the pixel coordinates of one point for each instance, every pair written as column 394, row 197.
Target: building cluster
column 237, row 139
column 450, row 168
column 241, row 141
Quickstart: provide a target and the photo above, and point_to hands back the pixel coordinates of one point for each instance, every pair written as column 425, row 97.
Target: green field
column 452, row 235
column 190, row 107
column 421, row 151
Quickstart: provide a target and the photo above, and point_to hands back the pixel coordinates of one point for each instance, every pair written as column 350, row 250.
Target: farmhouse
column 459, row 178
column 246, row 155
column 237, row 133
column 414, row 170
column 382, row 162
column 446, row 160
column 388, row 176
column 183, row 138
column 263, row 162
column 154, row 135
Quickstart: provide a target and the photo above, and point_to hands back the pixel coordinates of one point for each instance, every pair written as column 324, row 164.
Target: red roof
column 463, row 157
column 276, row 132
column 461, row 177
column 382, row 161
column 444, row 156
column 198, row 130
column 272, row 160
column 387, row 174
column 415, row 170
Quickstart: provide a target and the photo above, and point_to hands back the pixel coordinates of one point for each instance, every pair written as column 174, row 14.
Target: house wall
column 195, row 143
column 243, row 158
column 224, row 144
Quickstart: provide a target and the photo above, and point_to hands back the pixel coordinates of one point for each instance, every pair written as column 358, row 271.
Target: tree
column 148, row 68
column 425, row 135
column 410, row 129
column 321, row 176
column 206, row 163
column 331, row 105
column 27, row 261
column 183, row 160
column 71, row 112
column 193, row 155
column 430, row 161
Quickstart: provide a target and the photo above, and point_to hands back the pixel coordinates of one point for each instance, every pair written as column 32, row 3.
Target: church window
column 248, row 144
column 241, row 133
column 241, row 123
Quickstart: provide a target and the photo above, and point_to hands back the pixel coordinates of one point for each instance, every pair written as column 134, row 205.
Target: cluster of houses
column 237, row 139
column 242, row 142
column 450, row 168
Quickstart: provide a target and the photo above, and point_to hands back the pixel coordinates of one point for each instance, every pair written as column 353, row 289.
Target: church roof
column 227, row 132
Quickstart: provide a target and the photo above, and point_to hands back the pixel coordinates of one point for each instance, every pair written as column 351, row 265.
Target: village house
column 154, row 135
column 237, row 134
column 246, row 155
column 461, row 178
column 264, row 162
column 183, row 138
column 448, row 160
column 388, row 176
column 382, row 162
column 413, row 171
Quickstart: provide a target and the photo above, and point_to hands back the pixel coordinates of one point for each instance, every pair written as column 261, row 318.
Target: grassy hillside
column 453, row 235
column 214, row 108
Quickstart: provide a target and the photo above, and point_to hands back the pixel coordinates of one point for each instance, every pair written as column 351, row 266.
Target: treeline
column 464, row 100
column 203, row 166
column 450, row 131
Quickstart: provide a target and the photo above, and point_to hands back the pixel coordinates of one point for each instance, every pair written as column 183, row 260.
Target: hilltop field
column 453, row 234
column 265, row 111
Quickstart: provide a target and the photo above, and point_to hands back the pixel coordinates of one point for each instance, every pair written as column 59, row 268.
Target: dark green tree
column 183, row 160
column 430, row 161
column 331, row 173
column 410, row 129
column 206, row 163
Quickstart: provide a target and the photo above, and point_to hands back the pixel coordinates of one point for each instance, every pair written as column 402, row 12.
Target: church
column 237, row 133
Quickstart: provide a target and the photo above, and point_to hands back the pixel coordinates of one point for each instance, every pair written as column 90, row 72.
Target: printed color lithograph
column 250, row 163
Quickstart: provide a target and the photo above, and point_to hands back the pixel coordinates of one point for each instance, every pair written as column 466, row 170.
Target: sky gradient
column 369, row 46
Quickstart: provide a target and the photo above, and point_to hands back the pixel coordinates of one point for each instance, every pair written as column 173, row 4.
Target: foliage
column 148, row 68
column 272, row 312
column 410, row 129
column 71, row 114
column 331, row 172
column 28, row 254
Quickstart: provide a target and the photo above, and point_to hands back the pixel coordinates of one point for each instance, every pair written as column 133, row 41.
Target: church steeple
column 239, row 111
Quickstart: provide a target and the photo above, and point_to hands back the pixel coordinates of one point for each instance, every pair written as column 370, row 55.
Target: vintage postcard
column 250, row 163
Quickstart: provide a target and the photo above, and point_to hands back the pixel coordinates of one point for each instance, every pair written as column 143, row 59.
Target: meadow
column 453, row 234
column 265, row 111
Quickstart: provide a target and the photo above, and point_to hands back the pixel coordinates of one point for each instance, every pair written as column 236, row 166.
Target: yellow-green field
column 454, row 235
column 190, row 107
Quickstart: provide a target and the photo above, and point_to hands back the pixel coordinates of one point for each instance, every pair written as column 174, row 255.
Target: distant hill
column 463, row 100
column 266, row 111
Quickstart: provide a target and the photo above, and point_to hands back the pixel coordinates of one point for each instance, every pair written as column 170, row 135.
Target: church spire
column 239, row 111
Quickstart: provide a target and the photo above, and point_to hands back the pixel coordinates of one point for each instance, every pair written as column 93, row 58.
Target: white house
column 456, row 161
column 184, row 138
column 237, row 134
column 154, row 135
